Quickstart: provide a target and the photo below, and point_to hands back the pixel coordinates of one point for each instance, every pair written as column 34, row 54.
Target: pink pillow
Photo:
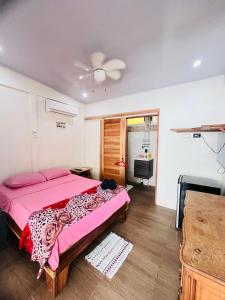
column 24, row 179
column 54, row 173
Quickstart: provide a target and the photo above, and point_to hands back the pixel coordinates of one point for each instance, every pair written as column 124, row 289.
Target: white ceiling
column 158, row 40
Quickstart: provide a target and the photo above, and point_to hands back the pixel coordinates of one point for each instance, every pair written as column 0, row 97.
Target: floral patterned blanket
column 44, row 226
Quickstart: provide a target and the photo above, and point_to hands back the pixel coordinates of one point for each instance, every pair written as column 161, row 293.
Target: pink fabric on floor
column 20, row 203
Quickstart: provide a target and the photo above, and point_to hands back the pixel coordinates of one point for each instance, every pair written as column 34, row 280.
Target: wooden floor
column 151, row 270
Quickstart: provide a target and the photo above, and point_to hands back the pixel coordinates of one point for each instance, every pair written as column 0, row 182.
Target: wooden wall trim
column 152, row 112
column 123, row 139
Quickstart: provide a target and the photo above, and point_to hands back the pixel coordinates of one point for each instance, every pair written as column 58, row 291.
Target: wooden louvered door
column 113, row 149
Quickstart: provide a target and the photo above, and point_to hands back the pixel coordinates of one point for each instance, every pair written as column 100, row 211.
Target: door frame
column 128, row 115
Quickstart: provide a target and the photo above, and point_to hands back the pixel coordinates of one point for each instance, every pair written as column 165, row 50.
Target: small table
column 82, row 171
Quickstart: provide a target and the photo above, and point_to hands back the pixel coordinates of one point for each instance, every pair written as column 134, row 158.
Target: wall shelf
column 203, row 128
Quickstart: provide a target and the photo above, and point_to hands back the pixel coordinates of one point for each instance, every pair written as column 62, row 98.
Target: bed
column 20, row 203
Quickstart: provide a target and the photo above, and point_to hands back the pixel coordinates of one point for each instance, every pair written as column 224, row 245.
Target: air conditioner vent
column 61, row 108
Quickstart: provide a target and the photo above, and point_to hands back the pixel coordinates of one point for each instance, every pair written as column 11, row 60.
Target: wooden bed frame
column 56, row 280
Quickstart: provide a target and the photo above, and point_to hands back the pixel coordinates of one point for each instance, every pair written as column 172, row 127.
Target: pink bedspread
column 20, row 203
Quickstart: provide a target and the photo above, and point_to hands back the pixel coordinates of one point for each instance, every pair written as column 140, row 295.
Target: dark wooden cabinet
column 143, row 168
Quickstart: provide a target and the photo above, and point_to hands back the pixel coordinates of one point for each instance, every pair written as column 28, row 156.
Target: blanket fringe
column 40, row 272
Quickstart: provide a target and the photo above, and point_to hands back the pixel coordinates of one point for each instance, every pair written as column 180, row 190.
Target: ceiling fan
column 101, row 69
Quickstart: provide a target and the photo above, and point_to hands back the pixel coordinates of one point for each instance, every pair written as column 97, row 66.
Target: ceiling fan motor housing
column 99, row 75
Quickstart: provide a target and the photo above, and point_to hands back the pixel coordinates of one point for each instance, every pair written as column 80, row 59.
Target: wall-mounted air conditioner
column 61, row 108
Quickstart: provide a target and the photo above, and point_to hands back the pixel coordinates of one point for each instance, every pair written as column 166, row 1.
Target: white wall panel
column 15, row 132
column 29, row 137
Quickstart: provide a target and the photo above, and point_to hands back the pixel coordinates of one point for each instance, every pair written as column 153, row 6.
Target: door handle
column 121, row 163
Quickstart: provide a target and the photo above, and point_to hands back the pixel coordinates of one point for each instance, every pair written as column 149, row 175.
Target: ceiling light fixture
column 197, row 63
column 99, row 75
column 84, row 95
column 81, row 77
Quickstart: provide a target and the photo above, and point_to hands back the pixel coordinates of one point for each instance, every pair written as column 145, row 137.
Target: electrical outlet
column 196, row 135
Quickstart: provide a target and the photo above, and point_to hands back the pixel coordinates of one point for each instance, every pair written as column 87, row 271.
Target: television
column 221, row 154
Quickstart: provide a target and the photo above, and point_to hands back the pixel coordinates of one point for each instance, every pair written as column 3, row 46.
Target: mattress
column 20, row 203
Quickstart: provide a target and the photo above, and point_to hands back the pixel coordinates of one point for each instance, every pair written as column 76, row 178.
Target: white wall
column 29, row 137
column 186, row 105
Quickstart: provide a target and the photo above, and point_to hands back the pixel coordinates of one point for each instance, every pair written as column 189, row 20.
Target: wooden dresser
column 203, row 250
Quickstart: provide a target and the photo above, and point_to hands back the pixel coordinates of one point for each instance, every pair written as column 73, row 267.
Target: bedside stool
column 83, row 171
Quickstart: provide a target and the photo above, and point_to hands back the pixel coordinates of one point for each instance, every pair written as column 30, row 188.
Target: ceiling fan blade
column 97, row 59
column 114, row 64
column 82, row 66
column 115, row 74
column 85, row 76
